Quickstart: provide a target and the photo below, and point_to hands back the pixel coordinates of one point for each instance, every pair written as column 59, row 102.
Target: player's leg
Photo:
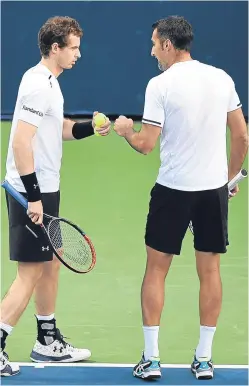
column 152, row 302
column 50, row 345
column 46, row 289
column 14, row 304
column 153, row 288
column 167, row 222
column 210, row 298
column 22, row 249
column 210, row 227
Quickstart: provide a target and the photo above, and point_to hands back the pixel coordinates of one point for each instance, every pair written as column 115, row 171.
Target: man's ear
column 54, row 47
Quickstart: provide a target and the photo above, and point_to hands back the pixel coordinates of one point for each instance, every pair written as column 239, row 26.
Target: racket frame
column 24, row 202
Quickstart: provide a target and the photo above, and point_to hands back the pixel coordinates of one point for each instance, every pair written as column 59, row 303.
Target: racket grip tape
column 234, row 181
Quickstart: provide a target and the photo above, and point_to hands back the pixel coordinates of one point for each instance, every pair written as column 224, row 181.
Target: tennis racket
column 68, row 242
column 231, row 185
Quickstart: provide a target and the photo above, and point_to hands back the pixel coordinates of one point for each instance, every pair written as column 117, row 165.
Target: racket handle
column 15, row 194
column 242, row 174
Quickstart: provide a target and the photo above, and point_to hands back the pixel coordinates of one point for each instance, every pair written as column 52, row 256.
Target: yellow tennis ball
column 99, row 120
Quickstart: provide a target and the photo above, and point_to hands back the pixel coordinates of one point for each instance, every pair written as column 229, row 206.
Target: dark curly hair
column 56, row 30
column 177, row 29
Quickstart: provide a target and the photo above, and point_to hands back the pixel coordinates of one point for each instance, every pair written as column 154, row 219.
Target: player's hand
column 35, row 212
column 123, row 126
column 233, row 192
column 103, row 129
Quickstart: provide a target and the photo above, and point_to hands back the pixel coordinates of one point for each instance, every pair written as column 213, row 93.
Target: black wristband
column 82, row 130
column 32, row 187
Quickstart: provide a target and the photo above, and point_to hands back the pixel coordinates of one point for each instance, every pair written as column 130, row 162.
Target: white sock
column 204, row 348
column 151, row 341
column 6, row 327
column 48, row 317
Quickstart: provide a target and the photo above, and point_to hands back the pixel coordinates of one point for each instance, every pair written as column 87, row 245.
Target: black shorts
column 23, row 245
column 171, row 210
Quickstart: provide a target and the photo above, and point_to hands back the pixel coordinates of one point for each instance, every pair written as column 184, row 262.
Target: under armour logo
column 45, row 248
column 35, row 186
column 51, row 333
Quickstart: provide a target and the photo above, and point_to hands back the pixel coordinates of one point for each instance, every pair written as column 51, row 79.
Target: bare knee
column 52, row 267
column 29, row 273
column 158, row 262
column 207, row 265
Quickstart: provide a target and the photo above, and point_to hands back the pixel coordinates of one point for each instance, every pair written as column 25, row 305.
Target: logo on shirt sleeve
column 31, row 110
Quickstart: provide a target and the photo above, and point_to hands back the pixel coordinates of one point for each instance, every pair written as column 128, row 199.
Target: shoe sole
column 148, row 375
column 203, row 374
column 9, row 375
column 43, row 359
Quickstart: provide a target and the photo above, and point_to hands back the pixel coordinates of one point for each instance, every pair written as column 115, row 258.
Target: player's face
column 67, row 56
column 159, row 52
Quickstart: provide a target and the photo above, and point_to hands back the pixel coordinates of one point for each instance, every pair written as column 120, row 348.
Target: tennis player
column 188, row 106
column 33, row 168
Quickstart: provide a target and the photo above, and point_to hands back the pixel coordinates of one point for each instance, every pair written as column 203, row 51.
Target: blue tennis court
column 118, row 374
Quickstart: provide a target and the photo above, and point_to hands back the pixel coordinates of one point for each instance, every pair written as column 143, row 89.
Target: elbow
column 16, row 145
column 146, row 149
column 246, row 140
column 19, row 144
column 243, row 140
column 242, row 136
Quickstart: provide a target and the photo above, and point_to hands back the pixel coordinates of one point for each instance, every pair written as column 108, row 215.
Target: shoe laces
column 5, row 357
column 60, row 338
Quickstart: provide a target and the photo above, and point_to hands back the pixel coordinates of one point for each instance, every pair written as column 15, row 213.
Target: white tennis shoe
column 58, row 351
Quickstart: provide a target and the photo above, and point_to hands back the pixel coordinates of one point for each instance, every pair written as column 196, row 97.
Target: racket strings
column 70, row 244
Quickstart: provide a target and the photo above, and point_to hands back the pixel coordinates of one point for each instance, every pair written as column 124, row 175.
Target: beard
column 161, row 66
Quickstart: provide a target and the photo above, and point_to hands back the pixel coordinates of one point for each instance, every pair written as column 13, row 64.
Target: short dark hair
column 177, row 29
column 56, row 30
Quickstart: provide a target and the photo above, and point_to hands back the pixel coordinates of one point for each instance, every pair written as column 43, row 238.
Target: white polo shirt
column 40, row 103
column 190, row 102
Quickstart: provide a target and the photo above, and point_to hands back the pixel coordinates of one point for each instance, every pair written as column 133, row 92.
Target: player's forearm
column 23, row 155
column 67, row 130
column 76, row 130
column 137, row 142
column 238, row 151
column 24, row 160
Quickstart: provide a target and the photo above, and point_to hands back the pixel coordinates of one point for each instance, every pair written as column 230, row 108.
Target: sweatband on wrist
column 82, row 130
column 32, row 187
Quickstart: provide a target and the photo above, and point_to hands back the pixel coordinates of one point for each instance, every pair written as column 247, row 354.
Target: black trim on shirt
column 236, row 108
column 150, row 121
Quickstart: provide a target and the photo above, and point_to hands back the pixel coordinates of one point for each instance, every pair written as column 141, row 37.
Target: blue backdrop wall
column 116, row 63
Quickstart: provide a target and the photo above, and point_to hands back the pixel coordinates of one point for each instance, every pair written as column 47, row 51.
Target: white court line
column 168, row 366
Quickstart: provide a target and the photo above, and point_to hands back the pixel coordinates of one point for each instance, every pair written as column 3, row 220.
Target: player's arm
column 76, row 130
column 24, row 160
column 238, row 135
column 34, row 107
column 238, row 142
column 22, row 147
column 145, row 140
column 79, row 130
